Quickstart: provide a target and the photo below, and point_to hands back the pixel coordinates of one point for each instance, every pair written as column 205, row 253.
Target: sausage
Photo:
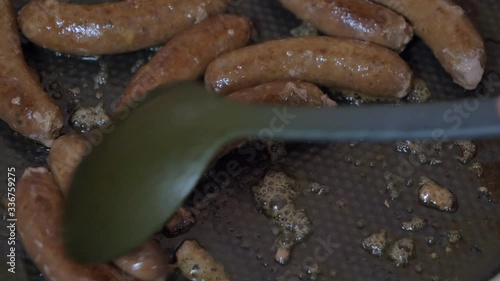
column 449, row 33
column 24, row 106
column 358, row 19
column 66, row 154
column 294, row 93
column 147, row 262
column 188, row 54
column 333, row 62
column 196, row 263
column 111, row 28
column 39, row 217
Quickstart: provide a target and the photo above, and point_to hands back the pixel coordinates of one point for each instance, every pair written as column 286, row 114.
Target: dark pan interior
column 236, row 233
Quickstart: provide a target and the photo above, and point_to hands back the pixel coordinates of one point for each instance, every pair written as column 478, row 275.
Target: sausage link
column 24, row 106
column 293, row 93
column 111, row 28
column 39, row 214
column 333, row 62
column 65, row 155
column 358, row 19
column 188, row 54
column 147, row 262
column 449, row 33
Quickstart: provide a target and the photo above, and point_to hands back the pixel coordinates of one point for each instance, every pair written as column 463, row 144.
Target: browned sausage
column 110, row 28
column 334, row 62
column 39, row 215
column 449, row 33
column 66, row 154
column 188, row 54
column 24, row 106
column 358, row 19
column 147, row 262
column 294, row 93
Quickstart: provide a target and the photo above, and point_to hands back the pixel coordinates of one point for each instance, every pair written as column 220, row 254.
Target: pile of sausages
column 359, row 52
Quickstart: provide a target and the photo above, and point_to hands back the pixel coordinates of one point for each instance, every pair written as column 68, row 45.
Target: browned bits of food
column 188, row 54
column 444, row 26
column 434, row 256
column 66, row 154
column 111, row 28
column 39, row 214
column 86, row 119
column 416, row 223
column 147, row 262
column 454, row 236
column 435, row 196
column 312, row 269
column 468, row 149
column 402, row 251
column 314, row 187
column 333, row 62
column 376, row 243
column 181, row 222
column 294, row 93
column 358, row 19
column 275, row 196
column 477, row 169
column 420, row 92
column 393, row 186
column 196, row 263
column 427, row 152
column 24, row 106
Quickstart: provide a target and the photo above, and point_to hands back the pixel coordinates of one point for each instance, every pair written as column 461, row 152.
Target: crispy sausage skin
column 65, row 155
column 449, row 33
column 293, row 93
column 39, row 215
column 111, row 28
column 357, row 19
column 334, row 62
column 187, row 55
column 24, row 106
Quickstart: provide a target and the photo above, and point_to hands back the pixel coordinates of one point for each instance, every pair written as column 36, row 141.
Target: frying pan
column 357, row 204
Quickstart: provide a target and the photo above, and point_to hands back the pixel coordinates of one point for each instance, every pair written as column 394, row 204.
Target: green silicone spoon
column 142, row 171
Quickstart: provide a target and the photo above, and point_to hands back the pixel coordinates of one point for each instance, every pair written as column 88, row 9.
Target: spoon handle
column 441, row 121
